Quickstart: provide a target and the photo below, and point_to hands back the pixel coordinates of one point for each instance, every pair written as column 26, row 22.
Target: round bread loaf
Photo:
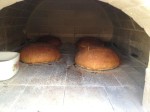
column 88, row 42
column 51, row 40
column 39, row 53
column 100, row 58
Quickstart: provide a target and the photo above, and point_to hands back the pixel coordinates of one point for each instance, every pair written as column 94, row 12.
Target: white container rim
column 7, row 56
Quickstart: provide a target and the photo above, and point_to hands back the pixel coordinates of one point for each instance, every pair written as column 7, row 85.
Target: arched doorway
column 134, row 9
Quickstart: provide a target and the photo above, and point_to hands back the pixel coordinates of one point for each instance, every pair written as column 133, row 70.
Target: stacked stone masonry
column 126, row 23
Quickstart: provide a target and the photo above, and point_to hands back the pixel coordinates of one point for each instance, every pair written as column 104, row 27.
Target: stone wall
column 128, row 36
column 13, row 19
column 129, row 31
column 133, row 8
column 70, row 20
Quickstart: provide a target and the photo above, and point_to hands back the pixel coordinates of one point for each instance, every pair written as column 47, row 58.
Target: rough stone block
column 146, row 97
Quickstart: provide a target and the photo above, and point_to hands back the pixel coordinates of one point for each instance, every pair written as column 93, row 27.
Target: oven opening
column 43, row 67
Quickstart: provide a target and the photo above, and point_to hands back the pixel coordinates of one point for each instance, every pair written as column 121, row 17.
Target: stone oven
column 123, row 25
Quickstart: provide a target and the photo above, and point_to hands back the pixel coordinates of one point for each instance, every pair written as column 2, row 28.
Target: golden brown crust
column 97, row 59
column 39, row 53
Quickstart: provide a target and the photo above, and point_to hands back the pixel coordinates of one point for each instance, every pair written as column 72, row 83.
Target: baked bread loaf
column 51, row 40
column 39, row 53
column 88, row 42
column 101, row 58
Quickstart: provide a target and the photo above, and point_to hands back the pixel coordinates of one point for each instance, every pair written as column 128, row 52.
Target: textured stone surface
column 146, row 93
column 76, row 18
column 14, row 15
column 129, row 37
column 63, row 87
column 133, row 8
column 146, row 98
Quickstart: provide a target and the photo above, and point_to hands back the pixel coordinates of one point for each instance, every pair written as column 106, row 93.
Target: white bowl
column 9, row 64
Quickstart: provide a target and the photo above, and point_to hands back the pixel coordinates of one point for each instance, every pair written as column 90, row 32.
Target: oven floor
column 63, row 87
